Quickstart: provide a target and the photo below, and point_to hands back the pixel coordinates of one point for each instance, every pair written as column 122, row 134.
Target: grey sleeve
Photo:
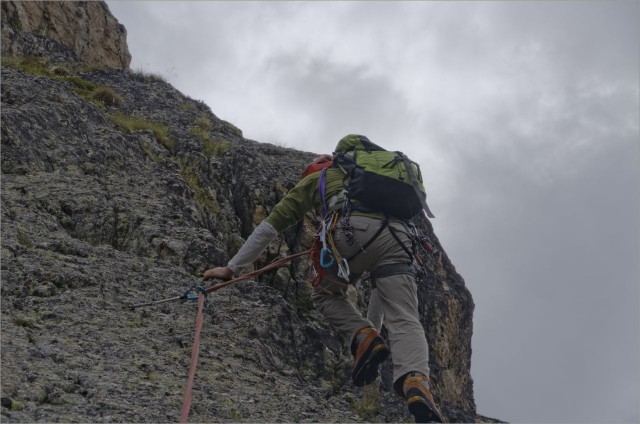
column 261, row 236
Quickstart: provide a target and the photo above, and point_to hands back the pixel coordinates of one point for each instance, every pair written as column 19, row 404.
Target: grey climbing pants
column 397, row 294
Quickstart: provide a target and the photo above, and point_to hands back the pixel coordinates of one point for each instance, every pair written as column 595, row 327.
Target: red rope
column 252, row 274
column 186, row 402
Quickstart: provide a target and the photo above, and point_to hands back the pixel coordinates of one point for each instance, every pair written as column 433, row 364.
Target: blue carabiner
column 323, row 252
column 192, row 294
column 189, row 295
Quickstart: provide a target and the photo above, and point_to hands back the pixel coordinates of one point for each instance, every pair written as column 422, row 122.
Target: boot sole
column 368, row 371
column 424, row 414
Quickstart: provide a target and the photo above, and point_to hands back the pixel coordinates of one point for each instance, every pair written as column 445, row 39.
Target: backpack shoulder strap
column 323, row 192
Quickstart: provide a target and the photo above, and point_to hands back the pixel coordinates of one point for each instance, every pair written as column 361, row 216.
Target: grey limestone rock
column 118, row 189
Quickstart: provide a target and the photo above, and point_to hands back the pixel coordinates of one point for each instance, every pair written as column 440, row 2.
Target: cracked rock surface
column 117, row 189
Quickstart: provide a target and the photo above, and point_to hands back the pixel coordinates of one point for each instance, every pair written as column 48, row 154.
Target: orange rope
column 186, row 402
column 252, row 274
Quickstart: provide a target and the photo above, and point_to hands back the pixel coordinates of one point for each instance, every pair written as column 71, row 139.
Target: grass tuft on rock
column 131, row 123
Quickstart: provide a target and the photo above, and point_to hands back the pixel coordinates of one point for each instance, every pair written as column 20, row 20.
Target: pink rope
column 186, row 402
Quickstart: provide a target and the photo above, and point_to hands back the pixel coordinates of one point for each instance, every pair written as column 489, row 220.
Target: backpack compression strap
column 414, row 183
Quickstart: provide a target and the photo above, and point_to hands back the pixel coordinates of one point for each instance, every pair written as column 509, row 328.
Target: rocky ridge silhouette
column 118, row 189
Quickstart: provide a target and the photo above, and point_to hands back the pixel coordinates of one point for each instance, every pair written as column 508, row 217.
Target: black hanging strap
column 414, row 183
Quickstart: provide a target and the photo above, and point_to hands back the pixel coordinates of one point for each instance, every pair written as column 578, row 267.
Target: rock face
column 87, row 28
column 116, row 190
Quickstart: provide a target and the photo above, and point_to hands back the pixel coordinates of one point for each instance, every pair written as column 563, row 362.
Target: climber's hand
column 221, row 273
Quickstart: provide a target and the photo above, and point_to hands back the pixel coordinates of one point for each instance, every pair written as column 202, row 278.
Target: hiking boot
column 419, row 399
column 369, row 351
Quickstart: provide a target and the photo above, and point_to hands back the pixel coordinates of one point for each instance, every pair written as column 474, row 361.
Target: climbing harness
column 325, row 253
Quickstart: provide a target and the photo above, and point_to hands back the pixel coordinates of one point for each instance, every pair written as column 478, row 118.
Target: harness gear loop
column 422, row 246
column 324, row 253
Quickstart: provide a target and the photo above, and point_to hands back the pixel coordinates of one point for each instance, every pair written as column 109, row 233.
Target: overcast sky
column 524, row 117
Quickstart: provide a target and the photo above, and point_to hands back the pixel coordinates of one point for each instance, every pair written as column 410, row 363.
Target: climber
column 355, row 242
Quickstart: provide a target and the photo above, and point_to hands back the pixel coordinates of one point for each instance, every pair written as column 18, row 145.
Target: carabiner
column 343, row 270
column 192, row 294
column 324, row 252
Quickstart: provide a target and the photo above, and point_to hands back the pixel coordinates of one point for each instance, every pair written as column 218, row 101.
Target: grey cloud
column 367, row 103
column 582, row 37
column 561, row 261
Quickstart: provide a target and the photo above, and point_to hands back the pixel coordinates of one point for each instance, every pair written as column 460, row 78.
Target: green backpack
column 379, row 180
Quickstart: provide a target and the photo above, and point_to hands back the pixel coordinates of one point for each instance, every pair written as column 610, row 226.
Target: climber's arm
column 286, row 213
